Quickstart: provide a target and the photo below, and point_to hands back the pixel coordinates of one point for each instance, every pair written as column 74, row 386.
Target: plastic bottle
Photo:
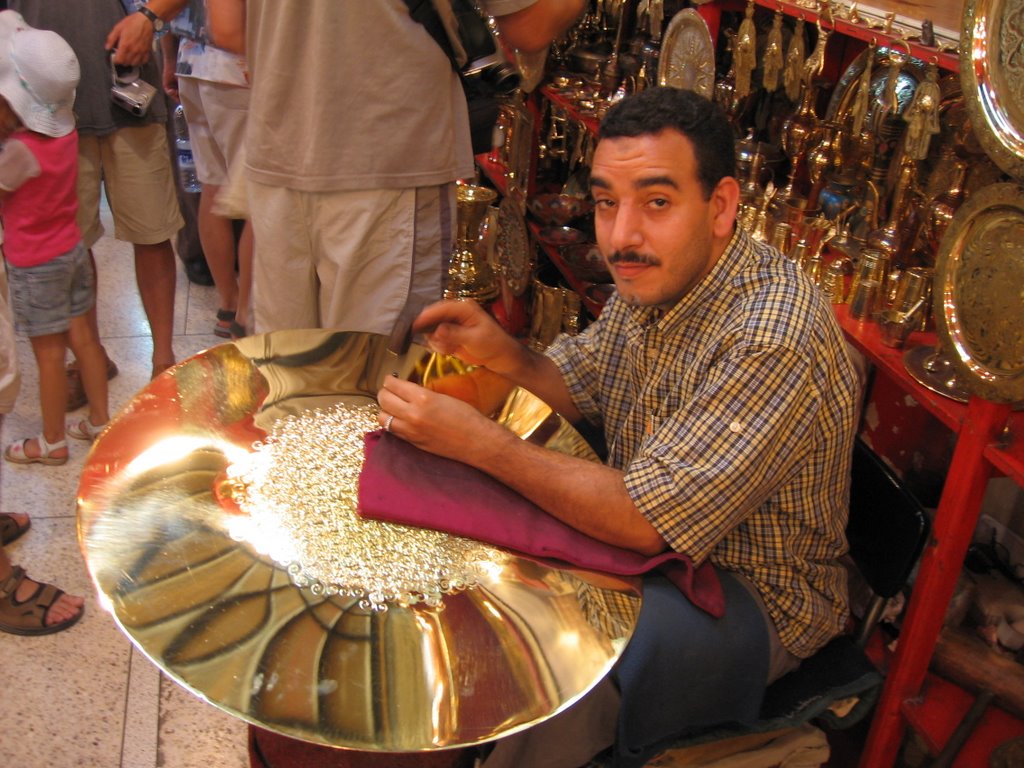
column 183, row 147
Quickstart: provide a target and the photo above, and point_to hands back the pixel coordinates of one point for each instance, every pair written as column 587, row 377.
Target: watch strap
column 158, row 23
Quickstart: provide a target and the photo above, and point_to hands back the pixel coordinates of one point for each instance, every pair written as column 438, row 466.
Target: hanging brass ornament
column 774, row 59
column 862, row 97
column 745, row 51
column 889, row 103
column 795, row 56
column 816, row 61
column 922, row 115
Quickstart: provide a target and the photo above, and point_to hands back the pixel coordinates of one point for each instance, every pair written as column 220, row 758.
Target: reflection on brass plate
column 512, row 249
column 225, row 614
column 687, row 57
column 932, row 369
column 909, row 75
column 992, row 77
column 978, row 277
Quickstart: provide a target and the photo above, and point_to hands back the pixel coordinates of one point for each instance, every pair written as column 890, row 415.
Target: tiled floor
column 86, row 696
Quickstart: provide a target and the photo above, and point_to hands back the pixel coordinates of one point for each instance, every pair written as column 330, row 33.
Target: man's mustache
column 633, row 257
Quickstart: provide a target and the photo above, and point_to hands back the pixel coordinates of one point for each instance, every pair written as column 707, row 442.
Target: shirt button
column 736, row 427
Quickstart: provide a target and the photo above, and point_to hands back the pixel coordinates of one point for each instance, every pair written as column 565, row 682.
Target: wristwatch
column 158, row 23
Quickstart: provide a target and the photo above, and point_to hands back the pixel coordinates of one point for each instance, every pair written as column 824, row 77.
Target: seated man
column 728, row 403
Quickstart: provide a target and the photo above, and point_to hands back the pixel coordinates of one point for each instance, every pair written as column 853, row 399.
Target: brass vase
column 470, row 275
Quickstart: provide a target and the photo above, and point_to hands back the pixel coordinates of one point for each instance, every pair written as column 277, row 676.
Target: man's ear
column 724, row 201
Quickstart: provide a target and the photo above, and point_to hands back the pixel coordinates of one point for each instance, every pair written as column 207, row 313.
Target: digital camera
column 486, row 63
column 128, row 90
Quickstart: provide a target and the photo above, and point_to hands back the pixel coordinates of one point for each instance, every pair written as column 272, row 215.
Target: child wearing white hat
column 51, row 278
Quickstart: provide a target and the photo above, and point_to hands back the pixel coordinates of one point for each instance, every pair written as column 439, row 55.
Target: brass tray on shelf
column 992, row 78
column 187, row 577
column 977, row 293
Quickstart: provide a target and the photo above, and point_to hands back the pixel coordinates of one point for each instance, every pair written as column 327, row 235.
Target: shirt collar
column 702, row 295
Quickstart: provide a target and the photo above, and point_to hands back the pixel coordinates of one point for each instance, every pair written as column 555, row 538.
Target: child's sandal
column 84, row 430
column 16, row 454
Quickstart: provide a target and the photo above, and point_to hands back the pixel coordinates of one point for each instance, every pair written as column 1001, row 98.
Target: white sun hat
column 38, row 76
column 9, row 22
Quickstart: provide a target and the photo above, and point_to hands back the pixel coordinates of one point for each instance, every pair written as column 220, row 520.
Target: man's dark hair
column 703, row 122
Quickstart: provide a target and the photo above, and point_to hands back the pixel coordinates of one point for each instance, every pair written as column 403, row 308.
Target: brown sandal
column 28, row 617
column 9, row 528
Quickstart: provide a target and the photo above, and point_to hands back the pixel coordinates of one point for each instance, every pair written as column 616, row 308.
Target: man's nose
column 625, row 231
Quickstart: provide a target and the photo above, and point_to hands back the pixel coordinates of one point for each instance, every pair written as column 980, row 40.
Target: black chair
column 838, row 685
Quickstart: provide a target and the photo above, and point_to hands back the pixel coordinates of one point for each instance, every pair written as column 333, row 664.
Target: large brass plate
column 512, row 249
column 687, row 57
column 992, row 77
column 232, row 626
column 978, row 301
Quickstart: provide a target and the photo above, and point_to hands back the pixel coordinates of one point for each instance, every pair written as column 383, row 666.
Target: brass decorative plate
column 183, row 576
column 687, row 57
column 992, row 77
column 512, row 249
column 977, row 292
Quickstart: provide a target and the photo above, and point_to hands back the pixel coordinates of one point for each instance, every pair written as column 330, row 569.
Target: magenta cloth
column 402, row 484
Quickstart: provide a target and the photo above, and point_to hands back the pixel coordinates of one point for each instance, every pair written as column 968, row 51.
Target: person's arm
column 132, row 36
column 227, row 24
column 17, row 165
column 586, row 495
column 169, row 47
column 534, row 27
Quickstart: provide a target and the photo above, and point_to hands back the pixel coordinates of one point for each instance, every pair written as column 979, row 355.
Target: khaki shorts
column 216, row 115
column 134, row 165
column 347, row 260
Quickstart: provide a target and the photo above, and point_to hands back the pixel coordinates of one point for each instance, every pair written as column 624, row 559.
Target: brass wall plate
column 992, row 78
column 687, row 57
column 234, row 627
column 979, row 274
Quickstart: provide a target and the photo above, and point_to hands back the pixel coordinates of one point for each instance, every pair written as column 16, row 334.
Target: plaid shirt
column 733, row 416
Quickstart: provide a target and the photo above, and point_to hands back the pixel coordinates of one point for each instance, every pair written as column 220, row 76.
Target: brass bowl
column 558, row 209
column 586, row 262
column 203, row 599
column 559, row 237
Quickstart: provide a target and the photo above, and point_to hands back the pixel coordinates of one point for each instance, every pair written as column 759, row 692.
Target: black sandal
column 225, row 319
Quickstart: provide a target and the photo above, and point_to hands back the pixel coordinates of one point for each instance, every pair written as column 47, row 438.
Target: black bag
column 485, row 77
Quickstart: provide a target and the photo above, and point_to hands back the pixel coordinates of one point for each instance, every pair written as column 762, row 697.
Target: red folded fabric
column 402, row 484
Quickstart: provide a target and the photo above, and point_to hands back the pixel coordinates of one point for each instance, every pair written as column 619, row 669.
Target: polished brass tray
column 238, row 629
column 687, row 58
column 977, row 292
column 513, row 252
column 992, row 77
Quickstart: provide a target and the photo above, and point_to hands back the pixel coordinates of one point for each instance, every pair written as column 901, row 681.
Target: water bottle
column 183, row 147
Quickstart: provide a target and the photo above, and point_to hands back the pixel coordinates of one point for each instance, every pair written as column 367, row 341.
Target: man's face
column 657, row 233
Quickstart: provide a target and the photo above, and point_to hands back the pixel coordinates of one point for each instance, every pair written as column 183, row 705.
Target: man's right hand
column 465, row 330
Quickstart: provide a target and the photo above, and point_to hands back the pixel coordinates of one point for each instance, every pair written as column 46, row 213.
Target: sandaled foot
column 225, row 319
column 33, row 608
column 13, row 526
column 85, row 430
column 22, row 452
column 76, row 390
column 237, row 330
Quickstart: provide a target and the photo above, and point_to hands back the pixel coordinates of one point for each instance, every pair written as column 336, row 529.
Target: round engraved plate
column 512, row 249
column 687, row 58
column 978, row 302
column 188, row 577
column 992, row 77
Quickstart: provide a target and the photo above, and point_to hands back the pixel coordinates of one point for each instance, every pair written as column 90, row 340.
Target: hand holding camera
column 128, row 90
